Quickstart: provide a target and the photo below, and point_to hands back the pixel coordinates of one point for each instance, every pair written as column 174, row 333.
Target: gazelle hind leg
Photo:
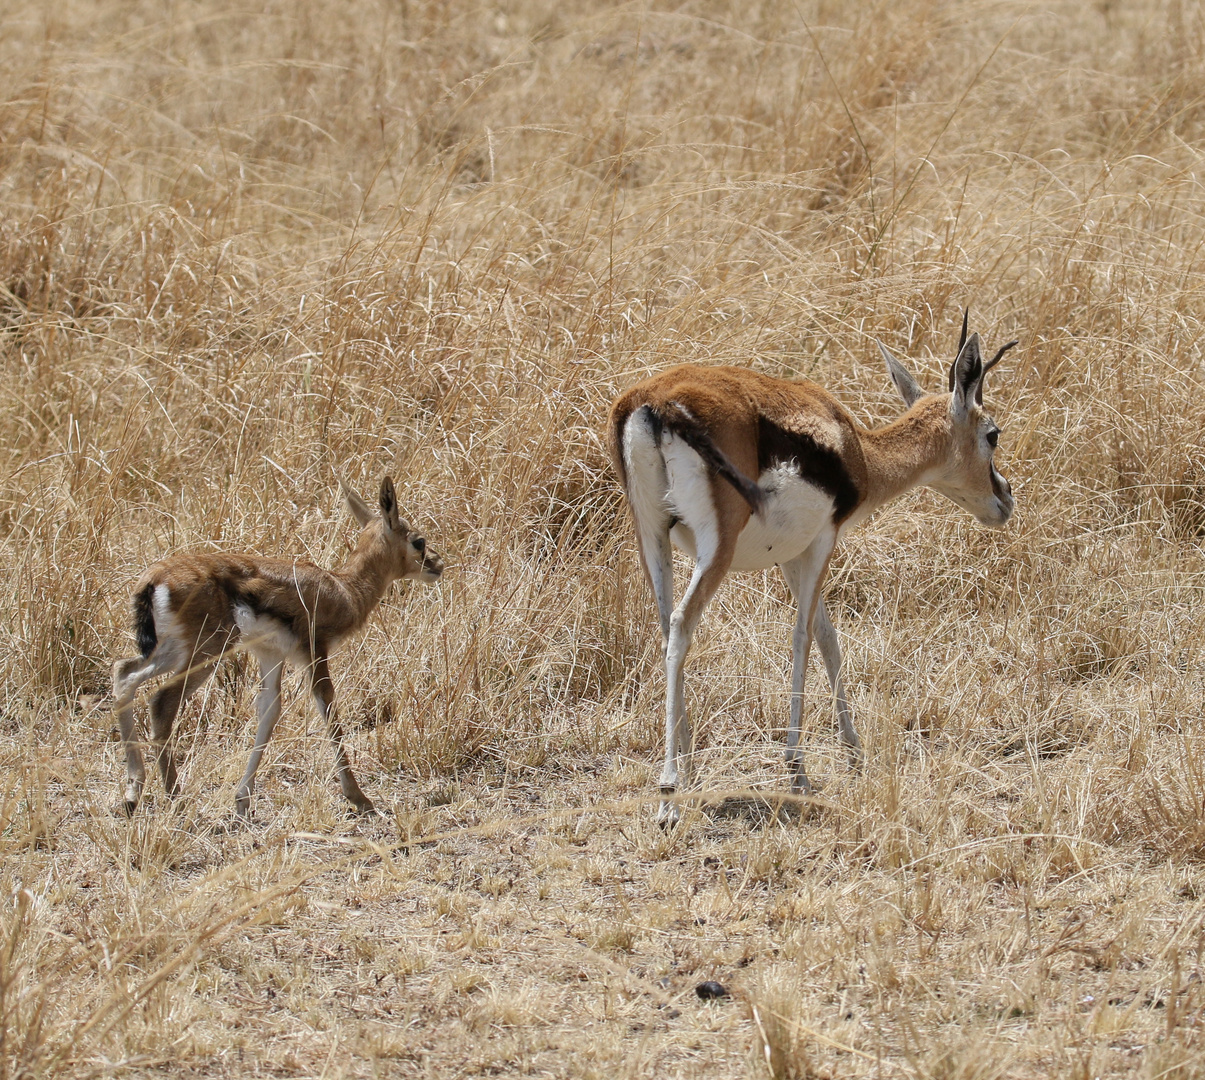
column 128, row 676
column 714, row 558
column 830, row 652
column 267, row 709
column 648, row 489
column 165, row 707
column 656, row 554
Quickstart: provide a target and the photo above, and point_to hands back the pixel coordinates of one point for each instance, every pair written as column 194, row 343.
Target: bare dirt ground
column 243, row 251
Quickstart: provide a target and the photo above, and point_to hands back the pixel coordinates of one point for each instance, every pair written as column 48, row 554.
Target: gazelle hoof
column 669, row 813
column 364, row 809
column 127, row 806
column 802, row 786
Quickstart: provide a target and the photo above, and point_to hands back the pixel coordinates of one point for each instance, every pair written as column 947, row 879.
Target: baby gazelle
column 193, row 609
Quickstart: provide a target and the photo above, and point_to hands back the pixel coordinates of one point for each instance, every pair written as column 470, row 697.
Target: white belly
column 796, row 512
column 266, row 637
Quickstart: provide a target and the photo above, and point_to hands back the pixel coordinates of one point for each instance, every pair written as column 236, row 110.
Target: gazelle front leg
column 803, row 576
column 267, row 708
column 324, row 697
column 830, row 652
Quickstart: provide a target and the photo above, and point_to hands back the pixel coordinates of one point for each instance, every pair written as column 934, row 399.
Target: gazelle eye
column 420, row 545
column 993, row 437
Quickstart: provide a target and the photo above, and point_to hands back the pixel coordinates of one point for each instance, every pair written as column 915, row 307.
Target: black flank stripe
column 817, row 464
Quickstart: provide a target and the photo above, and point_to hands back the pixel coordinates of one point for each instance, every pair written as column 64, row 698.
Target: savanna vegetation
column 247, row 249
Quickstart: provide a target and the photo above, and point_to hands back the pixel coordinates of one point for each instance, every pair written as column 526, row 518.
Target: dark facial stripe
column 817, row 464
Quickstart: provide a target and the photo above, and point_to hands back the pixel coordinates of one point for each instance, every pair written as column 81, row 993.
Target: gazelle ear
column 358, row 507
column 910, row 390
column 962, row 340
column 966, row 376
column 389, row 511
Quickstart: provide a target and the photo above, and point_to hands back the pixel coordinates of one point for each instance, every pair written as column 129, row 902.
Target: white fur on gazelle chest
column 795, row 513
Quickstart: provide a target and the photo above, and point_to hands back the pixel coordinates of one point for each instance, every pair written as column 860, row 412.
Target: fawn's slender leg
column 267, row 708
column 165, row 707
column 324, row 697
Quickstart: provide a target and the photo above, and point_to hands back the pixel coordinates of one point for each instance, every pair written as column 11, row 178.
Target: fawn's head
column 407, row 551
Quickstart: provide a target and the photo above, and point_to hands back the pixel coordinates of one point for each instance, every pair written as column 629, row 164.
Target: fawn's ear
column 358, row 507
column 389, row 511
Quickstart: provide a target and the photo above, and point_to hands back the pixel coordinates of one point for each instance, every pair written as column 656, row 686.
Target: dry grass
column 239, row 250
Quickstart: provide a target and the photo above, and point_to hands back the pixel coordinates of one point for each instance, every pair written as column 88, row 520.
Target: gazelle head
column 407, row 551
column 966, row 474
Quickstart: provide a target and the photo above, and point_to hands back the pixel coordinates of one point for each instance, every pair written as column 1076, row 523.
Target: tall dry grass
column 241, row 251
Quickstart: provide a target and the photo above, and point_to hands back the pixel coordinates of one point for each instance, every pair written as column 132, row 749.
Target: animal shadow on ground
column 757, row 809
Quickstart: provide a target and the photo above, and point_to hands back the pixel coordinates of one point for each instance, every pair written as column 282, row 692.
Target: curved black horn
column 996, row 359
column 988, row 367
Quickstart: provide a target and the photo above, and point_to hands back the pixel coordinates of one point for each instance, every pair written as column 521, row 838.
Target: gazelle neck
column 905, row 453
column 366, row 575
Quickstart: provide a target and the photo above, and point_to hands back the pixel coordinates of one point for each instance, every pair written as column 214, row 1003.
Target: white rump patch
column 166, row 623
column 689, row 497
column 170, row 652
column 671, row 479
column 647, row 482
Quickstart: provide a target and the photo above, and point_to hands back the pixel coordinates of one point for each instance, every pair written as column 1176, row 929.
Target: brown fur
column 318, row 607
column 298, row 613
column 755, row 420
column 742, row 423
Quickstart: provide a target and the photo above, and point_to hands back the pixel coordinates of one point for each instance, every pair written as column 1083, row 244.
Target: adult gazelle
column 743, row 472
